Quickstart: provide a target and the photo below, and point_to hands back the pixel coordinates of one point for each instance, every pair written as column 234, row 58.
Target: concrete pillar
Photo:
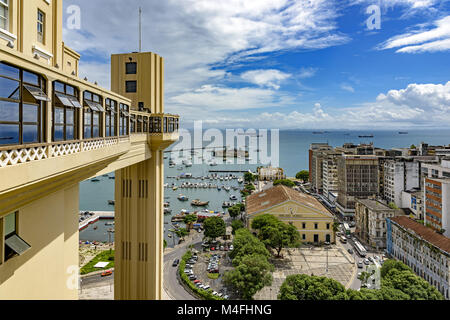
column 139, row 230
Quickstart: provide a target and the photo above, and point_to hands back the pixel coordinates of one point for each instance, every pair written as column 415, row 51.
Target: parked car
column 226, row 297
column 371, row 259
column 360, row 264
column 222, row 248
column 350, row 251
column 231, row 248
column 366, row 262
column 359, row 275
column 206, row 287
column 192, row 277
column 175, row 263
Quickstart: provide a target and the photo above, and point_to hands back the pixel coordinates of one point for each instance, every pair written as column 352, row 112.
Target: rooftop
column 374, row 204
column 279, row 194
column 423, row 232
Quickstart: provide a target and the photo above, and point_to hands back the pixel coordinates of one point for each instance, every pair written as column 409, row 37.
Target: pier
column 97, row 215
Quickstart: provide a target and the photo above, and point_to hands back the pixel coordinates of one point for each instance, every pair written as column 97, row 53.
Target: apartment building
column 358, row 178
column 426, row 252
column 437, row 204
column 57, row 130
column 413, row 201
column 270, row 174
column 317, row 154
column 400, row 174
column 330, row 175
column 370, row 218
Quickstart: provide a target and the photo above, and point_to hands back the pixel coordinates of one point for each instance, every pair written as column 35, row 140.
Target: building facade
column 312, row 220
column 270, row 174
column 57, row 130
column 437, row 204
column 370, row 218
column 330, row 175
column 357, row 179
column 317, row 154
column 400, row 174
column 423, row 250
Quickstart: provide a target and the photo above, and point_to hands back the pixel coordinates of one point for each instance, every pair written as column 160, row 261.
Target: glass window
column 131, row 68
column 9, row 89
column 9, row 111
column 30, row 133
column 31, row 78
column 41, row 26
column 131, row 86
column 30, row 113
column 4, row 15
column 10, row 224
column 58, row 132
column 9, row 134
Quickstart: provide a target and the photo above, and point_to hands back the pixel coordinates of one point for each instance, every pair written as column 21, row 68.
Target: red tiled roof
column 436, row 239
column 276, row 195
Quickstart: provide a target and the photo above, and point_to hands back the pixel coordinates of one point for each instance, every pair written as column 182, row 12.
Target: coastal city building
column 270, row 174
column 317, row 154
column 426, row 252
column 400, row 174
column 437, row 204
column 358, row 177
column 370, row 218
column 412, row 200
column 57, row 130
column 330, row 175
column 309, row 216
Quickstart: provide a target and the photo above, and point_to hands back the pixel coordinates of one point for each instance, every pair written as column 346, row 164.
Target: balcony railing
column 13, row 155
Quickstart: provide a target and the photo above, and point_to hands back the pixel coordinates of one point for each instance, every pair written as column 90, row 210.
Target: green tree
column 181, row 233
column 264, row 220
column 284, row 182
column 236, row 225
column 246, row 244
column 305, row 287
column 303, row 175
column 214, row 227
column 250, row 276
column 189, row 220
column 392, row 205
column 234, row 212
column 249, row 177
column 390, row 264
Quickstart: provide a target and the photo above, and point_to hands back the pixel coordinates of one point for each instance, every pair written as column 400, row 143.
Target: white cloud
column 430, row 40
column 270, row 78
column 418, row 105
column 201, row 39
column 307, row 73
column 347, row 87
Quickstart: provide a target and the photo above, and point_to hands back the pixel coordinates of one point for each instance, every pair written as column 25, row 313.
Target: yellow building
column 312, row 220
column 57, row 130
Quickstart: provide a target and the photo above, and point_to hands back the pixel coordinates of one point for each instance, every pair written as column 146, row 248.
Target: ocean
column 293, row 157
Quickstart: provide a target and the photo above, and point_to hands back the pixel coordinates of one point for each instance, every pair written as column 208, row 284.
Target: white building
column 400, row 174
column 330, row 175
column 426, row 252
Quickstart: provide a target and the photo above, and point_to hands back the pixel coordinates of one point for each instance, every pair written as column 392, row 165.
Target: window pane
column 113, row 131
column 87, row 132
column 9, row 111
column 59, row 87
column 69, row 116
column 10, row 224
column 59, row 133
column 95, row 122
column 107, row 119
column 108, row 132
column 95, row 98
column 87, row 95
column 87, row 118
column 9, row 71
column 96, row 132
column 131, row 68
column 30, row 113
column 70, row 90
column 59, row 115
column 30, row 78
column 9, row 89
column 30, row 133
column 131, row 86
column 9, row 134
column 69, row 133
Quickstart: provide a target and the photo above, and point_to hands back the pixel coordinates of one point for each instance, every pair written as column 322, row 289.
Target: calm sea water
column 293, row 146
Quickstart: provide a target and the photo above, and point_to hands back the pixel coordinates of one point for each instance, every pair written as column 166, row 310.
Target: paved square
column 311, row 261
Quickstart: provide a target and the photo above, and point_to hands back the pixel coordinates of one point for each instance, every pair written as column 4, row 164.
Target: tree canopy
column 303, row 175
column 305, row 287
column 214, row 227
column 251, row 275
column 245, row 244
column 284, row 182
column 249, row 177
column 234, row 211
column 236, row 225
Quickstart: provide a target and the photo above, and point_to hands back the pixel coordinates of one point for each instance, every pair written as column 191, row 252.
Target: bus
column 343, row 239
column 360, row 249
column 346, row 229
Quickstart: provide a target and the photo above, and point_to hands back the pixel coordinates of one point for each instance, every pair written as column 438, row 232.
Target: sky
column 282, row 64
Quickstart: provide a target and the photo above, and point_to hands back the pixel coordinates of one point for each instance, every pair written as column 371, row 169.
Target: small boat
column 169, row 235
column 183, row 198
column 166, row 204
column 175, row 188
column 95, row 180
column 106, row 175
column 167, row 211
column 111, row 202
column 95, row 228
column 199, row 203
column 227, row 189
column 403, row 132
column 112, row 178
column 367, row 136
column 233, row 197
column 109, row 224
column 240, row 180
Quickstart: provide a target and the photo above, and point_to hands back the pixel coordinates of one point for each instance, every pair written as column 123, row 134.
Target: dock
column 98, row 215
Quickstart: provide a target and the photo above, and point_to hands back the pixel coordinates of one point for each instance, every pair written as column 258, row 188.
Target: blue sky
column 283, row 63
